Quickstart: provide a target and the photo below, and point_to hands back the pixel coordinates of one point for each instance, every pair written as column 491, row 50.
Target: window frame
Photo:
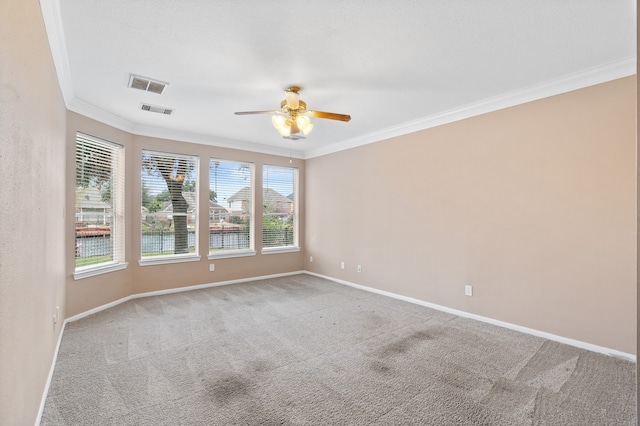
column 117, row 199
column 295, row 245
column 241, row 252
column 161, row 259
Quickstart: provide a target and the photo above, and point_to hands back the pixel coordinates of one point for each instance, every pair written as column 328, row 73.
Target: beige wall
column 88, row 293
column 32, row 163
column 85, row 294
column 637, row 211
column 534, row 206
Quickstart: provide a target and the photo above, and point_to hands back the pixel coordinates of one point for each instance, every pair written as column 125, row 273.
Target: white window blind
column 279, row 223
column 99, row 218
column 169, row 208
column 231, row 192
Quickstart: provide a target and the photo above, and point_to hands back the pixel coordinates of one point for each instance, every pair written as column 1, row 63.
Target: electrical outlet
column 310, row 258
column 341, row 265
column 359, row 268
column 468, row 290
column 212, row 267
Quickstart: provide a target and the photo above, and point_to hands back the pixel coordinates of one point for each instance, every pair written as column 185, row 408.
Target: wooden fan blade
column 258, row 112
column 329, row 115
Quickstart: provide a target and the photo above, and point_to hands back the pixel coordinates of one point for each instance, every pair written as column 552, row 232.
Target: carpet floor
column 301, row 350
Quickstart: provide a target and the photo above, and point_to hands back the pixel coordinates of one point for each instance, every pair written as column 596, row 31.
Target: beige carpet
column 301, row 350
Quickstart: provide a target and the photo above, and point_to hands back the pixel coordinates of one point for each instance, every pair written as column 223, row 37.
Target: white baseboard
column 50, row 376
column 531, row 331
column 176, row 290
column 137, row 296
column 538, row 333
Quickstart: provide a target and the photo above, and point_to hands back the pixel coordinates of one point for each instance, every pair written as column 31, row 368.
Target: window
column 99, row 218
column 231, row 192
column 279, row 222
column 169, row 208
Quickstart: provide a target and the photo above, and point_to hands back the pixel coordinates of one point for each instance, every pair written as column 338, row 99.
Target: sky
column 230, row 177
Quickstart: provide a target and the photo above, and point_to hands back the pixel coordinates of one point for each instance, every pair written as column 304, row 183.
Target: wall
column 32, row 146
column 88, row 293
column 534, row 206
column 637, row 211
column 85, row 294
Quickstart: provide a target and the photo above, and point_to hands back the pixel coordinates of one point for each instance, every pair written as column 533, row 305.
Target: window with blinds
column 279, row 223
column 169, row 208
column 99, row 211
column 231, row 204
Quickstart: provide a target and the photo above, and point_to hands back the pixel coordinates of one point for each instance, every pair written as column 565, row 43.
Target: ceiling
column 395, row 67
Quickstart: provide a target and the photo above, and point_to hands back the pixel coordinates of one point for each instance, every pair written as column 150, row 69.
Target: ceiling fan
column 293, row 117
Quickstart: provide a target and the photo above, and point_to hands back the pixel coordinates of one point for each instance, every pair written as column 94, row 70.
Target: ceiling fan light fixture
column 293, row 117
column 294, row 127
column 293, row 98
column 303, row 121
column 285, row 130
column 304, row 124
column 278, row 121
column 306, row 130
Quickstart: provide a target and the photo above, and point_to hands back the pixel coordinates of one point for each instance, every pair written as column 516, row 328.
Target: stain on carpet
column 229, row 388
column 379, row 367
column 405, row 344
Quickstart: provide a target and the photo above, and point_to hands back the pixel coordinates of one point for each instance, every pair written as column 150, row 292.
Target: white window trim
column 282, row 249
column 178, row 258
column 173, row 258
column 91, row 271
column 231, row 253
column 243, row 252
column 117, row 226
column 296, row 190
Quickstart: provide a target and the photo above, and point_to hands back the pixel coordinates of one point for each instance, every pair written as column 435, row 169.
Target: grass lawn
column 92, row 260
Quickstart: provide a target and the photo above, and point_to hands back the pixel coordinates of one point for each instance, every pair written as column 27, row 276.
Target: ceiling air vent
column 146, row 84
column 158, row 109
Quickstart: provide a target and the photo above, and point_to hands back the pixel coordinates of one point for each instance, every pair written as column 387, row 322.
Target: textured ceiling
column 395, row 67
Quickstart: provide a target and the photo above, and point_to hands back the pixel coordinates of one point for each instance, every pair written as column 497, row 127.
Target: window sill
column 91, row 271
column 163, row 260
column 230, row 254
column 276, row 250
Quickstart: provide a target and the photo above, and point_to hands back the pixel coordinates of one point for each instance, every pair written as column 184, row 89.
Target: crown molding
column 88, row 110
column 91, row 111
column 567, row 83
column 163, row 133
column 53, row 24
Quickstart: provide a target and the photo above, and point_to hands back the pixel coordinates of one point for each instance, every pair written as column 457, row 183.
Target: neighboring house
column 275, row 202
column 167, row 207
column 240, row 202
column 216, row 211
column 90, row 208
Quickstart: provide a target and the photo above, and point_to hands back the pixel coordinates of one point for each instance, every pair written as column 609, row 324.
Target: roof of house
column 269, row 196
column 190, row 197
column 90, row 198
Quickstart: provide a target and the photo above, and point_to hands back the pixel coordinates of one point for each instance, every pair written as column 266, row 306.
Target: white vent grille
column 146, row 84
column 158, row 109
